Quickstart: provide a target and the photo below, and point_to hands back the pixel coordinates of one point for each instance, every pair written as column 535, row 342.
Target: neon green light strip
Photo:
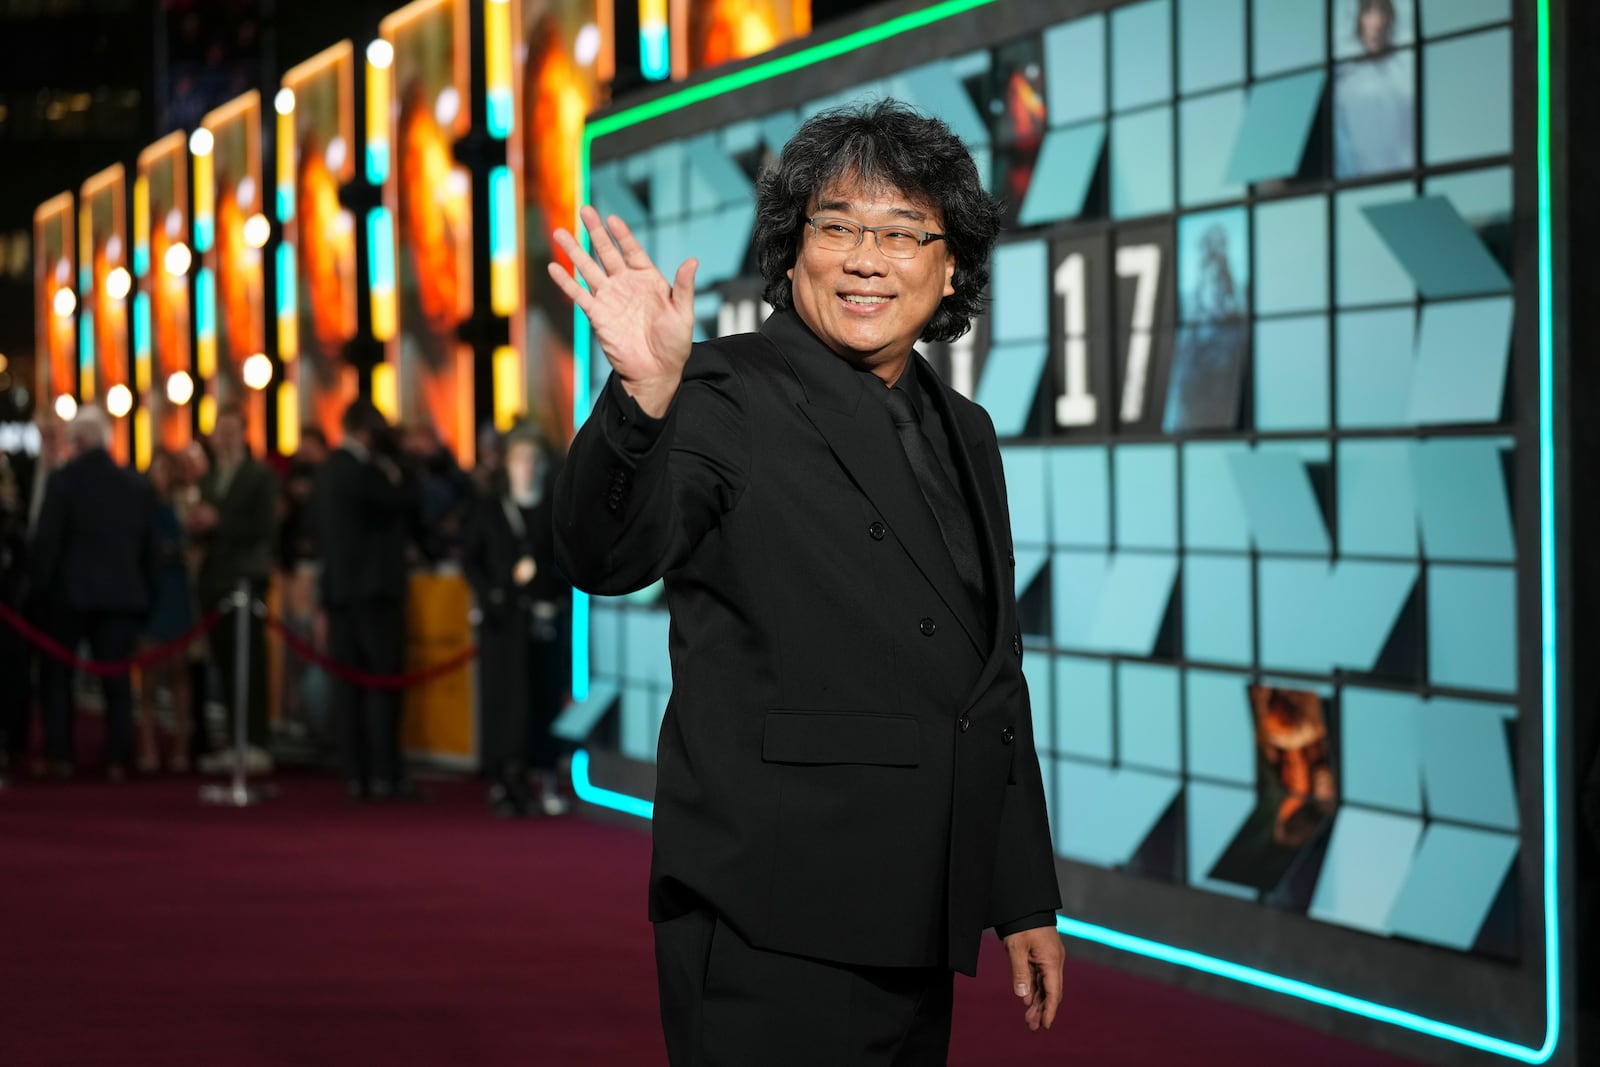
column 1547, row 576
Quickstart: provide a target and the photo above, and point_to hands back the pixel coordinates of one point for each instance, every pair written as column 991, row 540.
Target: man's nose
column 866, row 258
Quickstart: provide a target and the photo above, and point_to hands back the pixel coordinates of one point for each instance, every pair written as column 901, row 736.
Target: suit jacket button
column 877, row 530
column 928, row 627
column 1007, row 735
column 1016, row 643
column 964, row 724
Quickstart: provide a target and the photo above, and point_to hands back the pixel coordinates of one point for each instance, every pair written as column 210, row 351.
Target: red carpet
column 144, row 929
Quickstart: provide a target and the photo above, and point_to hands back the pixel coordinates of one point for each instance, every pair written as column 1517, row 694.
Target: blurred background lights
column 283, row 103
column 380, row 53
column 257, row 371
column 586, row 47
column 177, row 259
column 66, row 407
column 257, row 231
column 201, row 142
column 180, row 388
column 65, row 302
column 119, row 401
column 119, row 283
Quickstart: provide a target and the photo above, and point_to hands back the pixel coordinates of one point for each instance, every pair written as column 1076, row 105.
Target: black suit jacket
column 241, row 546
column 846, row 769
column 95, row 548
column 363, row 523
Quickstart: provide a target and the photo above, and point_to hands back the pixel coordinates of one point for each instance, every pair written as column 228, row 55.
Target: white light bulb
column 180, row 388
column 257, row 371
column 66, row 408
column 118, row 283
column 257, row 231
column 201, row 142
column 177, row 259
column 65, row 302
column 380, row 53
column 283, row 103
column 119, row 401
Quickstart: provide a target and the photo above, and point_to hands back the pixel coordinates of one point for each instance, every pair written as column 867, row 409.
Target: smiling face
column 866, row 307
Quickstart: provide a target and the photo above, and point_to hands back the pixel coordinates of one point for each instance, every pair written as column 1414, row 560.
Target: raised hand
column 644, row 325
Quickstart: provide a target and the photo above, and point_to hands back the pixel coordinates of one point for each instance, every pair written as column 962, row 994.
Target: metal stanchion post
column 239, row 793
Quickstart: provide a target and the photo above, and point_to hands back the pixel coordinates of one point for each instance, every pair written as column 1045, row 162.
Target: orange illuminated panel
column 163, row 262
column 235, row 257
column 567, row 57
column 55, row 300
column 316, row 305
column 706, row 33
column 429, row 195
column 107, row 301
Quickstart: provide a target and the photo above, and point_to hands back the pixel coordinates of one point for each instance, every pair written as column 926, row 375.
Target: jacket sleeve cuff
column 628, row 428
column 1027, row 922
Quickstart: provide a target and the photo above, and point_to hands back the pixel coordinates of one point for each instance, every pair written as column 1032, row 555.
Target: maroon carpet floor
column 141, row 928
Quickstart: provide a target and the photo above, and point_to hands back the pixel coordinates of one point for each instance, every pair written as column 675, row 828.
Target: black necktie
column 949, row 507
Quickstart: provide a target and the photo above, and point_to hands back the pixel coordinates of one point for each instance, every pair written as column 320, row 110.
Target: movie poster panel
column 102, row 207
column 162, row 202
column 235, row 258
column 56, row 302
column 565, row 51
column 706, row 33
column 320, row 235
column 430, row 197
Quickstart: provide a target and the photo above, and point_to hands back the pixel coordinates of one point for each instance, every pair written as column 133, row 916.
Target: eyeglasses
column 842, row 235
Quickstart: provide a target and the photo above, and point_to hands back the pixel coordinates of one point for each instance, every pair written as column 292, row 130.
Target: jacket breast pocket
column 815, row 737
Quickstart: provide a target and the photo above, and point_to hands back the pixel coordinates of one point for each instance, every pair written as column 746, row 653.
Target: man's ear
column 949, row 275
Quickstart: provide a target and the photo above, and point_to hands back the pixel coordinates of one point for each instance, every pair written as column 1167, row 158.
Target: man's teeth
column 852, row 298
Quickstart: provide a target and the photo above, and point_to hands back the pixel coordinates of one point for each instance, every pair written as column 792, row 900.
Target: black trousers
column 727, row 1004
column 371, row 638
column 111, row 636
column 225, row 654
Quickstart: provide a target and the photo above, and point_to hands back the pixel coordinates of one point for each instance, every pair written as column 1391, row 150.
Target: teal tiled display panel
column 1264, row 505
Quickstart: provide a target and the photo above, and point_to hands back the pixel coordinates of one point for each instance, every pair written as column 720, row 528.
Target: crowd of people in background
column 112, row 564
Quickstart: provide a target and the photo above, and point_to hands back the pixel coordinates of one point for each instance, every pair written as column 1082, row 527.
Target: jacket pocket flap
column 841, row 737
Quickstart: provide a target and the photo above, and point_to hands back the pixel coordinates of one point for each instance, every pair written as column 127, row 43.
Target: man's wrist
column 1028, row 922
column 653, row 395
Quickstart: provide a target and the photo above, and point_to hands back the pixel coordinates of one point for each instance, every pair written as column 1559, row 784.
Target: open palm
column 644, row 325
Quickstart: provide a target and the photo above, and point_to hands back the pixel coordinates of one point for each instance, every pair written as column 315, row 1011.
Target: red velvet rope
column 305, row 650
column 51, row 647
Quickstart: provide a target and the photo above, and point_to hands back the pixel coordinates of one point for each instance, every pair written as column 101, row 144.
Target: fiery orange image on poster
column 55, row 299
column 430, row 195
column 319, row 115
column 235, row 257
column 707, row 33
column 567, row 49
column 164, row 280
column 104, row 233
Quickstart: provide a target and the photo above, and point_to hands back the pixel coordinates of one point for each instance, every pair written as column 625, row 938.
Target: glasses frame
column 924, row 237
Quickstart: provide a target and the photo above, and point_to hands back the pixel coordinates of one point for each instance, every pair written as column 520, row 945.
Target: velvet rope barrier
column 56, row 650
column 305, row 650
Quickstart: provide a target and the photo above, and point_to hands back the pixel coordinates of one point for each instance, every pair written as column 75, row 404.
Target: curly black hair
column 881, row 142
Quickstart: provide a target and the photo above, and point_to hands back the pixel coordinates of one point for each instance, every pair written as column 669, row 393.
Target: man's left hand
column 1037, row 957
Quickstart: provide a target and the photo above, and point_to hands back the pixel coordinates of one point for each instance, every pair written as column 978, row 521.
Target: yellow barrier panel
column 439, row 714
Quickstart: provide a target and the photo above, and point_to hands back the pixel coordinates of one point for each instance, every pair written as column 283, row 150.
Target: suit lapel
column 862, row 438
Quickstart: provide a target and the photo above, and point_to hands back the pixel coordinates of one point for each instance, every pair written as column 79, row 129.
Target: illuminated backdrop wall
column 1270, row 441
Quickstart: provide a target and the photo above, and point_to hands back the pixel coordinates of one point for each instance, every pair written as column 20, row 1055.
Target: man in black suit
column 363, row 511
column 847, row 788
column 94, row 555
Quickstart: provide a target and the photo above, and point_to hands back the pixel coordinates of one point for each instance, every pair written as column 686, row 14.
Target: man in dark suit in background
column 236, row 524
column 847, row 788
column 363, row 512
column 94, row 556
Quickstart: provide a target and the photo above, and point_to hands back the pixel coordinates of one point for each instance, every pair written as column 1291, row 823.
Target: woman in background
column 172, row 614
column 509, row 558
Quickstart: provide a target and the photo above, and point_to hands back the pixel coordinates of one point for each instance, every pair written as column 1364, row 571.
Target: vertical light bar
column 288, row 417
column 380, row 57
column 655, row 45
column 86, row 353
column 386, row 391
column 85, row 252
column 141, row 226
column 288, row 304
column 142, row 441
column 502, row 242
column 381, row 272
column 208, row 413
column 200, row 145
column 508, row 388
column 497, row 68
column 205, row 324
column 283, row 104
column 141, row 342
